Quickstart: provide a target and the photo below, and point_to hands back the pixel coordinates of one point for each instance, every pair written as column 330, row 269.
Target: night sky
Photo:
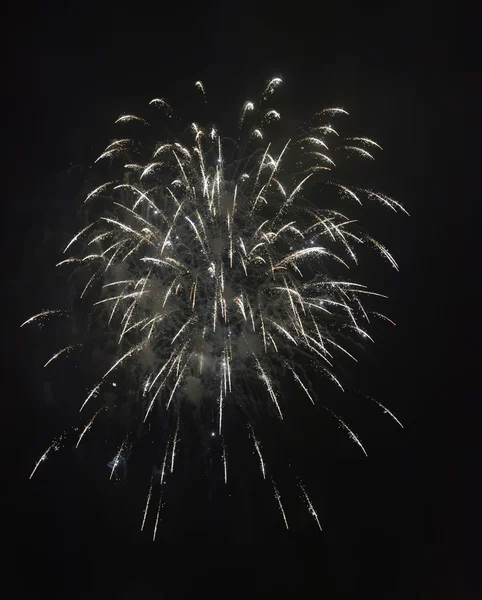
column 402, row 523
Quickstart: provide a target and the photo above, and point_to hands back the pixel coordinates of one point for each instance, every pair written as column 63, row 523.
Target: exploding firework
column 215, row 266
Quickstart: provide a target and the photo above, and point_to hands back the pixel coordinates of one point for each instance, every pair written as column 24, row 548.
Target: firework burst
column 203, row 259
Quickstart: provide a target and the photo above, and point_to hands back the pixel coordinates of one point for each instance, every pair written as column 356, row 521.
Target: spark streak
column 157, row 519
column 39, row 315
column 59, row 353
column 41, row 459
column 258, row 450
column 311, row 507
column 87, row 427
column 385, row 410
column 278, row 498
column 147, row 504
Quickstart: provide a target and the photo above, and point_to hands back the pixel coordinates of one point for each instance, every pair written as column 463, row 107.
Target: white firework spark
column 147, row 504
column 220, row 266
column 258, row 450
column 278, row 499
column 385, row 410
column 88, row 426
column 310, row 506
column 41, row 315
column 65, row 350
column 55, row 445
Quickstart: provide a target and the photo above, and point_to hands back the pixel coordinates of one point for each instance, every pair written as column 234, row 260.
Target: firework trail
column 278, row 499
column 55, row 445
column 147, row 505
column 208, row 262
column 225, row 464
column 310, row 506
column 258, row 451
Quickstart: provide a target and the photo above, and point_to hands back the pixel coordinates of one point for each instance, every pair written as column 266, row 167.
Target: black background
column 402, row 524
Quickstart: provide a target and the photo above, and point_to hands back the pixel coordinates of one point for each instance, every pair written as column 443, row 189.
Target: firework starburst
column 215, row 265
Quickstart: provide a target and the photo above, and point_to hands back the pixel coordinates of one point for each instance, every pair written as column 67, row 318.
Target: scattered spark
column 311, row 507
column 351, row 434
column 332, row 111
column 272, row 115
column 55, row 445
column 39, row 315
column 365, row 140
column 115, row 462
column 174, row 447
column 225, row 466
column 160, row 102
column 122, row 358
column 271, row 85
column 278, row 498
column 200, row 86
column 247, row 106
column 78, row 235
column 59, row 353
column 126, row 118
column 41, row 459
column 87, row 427
column 147, row 504
column 157, row 519
column 92, row 394
column 384, row 252
column 385, row 410
column 360, row 151
column 258, row 450
column 383, row 317
column 96, row 192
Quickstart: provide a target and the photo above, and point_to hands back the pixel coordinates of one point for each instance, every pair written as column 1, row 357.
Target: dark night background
column 405, row 522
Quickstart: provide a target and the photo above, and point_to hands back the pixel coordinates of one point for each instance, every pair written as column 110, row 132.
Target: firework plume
column 213, row 266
